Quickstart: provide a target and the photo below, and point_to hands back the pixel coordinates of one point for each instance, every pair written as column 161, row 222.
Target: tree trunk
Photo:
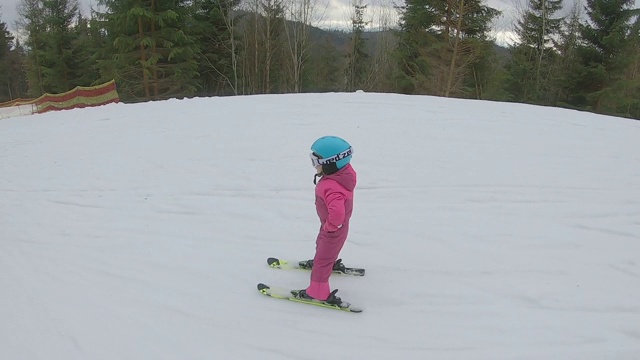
column 454, row 55
column 156, row 90
column 143, row 58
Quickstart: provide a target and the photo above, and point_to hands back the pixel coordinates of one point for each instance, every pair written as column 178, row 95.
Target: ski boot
column 338, row 266
column 331, row 300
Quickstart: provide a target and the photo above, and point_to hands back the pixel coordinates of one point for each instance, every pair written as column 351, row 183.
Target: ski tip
column 262, row 286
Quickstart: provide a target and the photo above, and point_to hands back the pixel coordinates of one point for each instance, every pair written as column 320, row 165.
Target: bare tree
column 273, row 13
column 383, row 19
column 263, row 35
column 230, row 23
column 301, row 14
column 456, row 44
column 250, row 31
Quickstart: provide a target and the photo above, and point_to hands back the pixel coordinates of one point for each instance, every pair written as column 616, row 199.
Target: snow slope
column 488, row 231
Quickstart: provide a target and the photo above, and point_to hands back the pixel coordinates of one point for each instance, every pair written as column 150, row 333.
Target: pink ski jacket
column 334, row 201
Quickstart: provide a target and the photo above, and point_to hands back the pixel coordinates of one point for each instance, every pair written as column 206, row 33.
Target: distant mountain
column 340, row 39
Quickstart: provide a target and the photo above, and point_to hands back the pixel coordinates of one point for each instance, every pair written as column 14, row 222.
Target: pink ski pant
column 328, row 246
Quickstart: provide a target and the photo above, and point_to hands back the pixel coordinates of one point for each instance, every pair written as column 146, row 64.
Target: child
column 334, row 203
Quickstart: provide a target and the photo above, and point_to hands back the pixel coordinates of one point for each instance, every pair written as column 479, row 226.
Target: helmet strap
column 315, row 178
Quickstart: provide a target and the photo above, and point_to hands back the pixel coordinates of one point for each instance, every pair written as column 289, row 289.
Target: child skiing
column 330, row 156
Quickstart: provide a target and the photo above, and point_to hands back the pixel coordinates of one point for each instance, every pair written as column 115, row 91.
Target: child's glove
column 328, row 227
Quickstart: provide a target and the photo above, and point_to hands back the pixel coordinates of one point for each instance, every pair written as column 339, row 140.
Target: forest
column 587, row 58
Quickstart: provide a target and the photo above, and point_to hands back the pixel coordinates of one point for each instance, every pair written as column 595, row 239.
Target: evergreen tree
column 17, row 73
column 51, row 36
column 357, row 57
column 565, row 70
column 605, row 55
column 153, row 57
column 487, row 74
column 212, row 26
column 32, row 21
column 533, row 57
column 629, row 103
column 84, row 59
column 439, row 43
column 324, row 72
column 20, row 88
column 6, row 45
column 419, row 20
column 466, row 27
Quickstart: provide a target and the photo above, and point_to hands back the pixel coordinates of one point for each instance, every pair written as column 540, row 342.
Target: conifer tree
column 566, row 68
column 87, row 41
column 325, row 70
column 419, row 20
column 606, row 54
column 153, row 57
column 50, row 41
column 17, row 73
column 533, row 57
column 6, row 45
column 357, row 56
column 439, row 43
column 213, row 26
column 467, row 23
column 630, row 104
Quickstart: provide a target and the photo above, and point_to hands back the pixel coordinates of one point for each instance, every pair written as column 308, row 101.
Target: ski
column 338, row 268
column 269, row 291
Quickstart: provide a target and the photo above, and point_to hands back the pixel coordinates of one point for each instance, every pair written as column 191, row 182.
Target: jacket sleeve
column 335, row 199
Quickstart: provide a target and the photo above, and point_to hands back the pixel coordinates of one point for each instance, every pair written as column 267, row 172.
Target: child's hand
column 328, row 227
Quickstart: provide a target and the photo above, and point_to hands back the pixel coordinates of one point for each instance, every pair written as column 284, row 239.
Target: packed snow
column 488, row 231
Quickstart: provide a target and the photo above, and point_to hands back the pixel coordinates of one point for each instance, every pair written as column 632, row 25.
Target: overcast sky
column 337, row 13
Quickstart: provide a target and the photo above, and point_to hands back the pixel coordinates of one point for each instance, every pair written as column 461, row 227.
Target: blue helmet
column 332, row 152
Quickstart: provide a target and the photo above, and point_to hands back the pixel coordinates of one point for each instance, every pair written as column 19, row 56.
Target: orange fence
column 79, row 97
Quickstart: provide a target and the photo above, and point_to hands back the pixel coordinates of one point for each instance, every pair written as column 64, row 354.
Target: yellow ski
column 268, row 291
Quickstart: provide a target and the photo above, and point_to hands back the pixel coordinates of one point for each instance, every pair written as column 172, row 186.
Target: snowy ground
column 488, row 231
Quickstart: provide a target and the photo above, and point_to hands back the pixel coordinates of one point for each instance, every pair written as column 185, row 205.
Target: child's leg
column 328, row 246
